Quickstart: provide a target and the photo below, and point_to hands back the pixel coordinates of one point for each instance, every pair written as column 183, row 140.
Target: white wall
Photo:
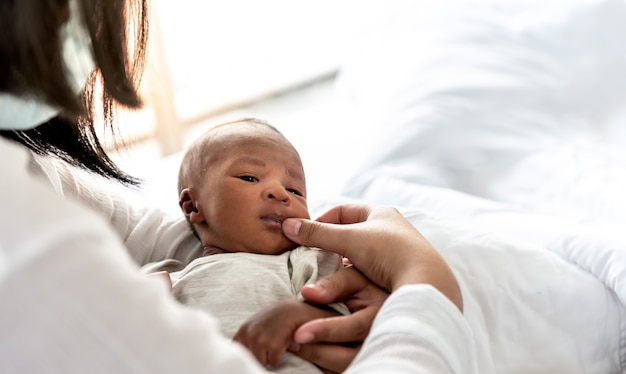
column 222, row 53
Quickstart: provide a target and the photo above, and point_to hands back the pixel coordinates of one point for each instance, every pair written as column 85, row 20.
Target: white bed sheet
column 499, row 127
column 542, row 294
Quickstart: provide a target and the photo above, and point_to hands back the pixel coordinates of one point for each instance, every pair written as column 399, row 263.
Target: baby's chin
column 275, row 249
column 272, row 248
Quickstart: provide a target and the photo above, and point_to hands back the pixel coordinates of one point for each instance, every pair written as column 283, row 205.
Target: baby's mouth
column 278, row 220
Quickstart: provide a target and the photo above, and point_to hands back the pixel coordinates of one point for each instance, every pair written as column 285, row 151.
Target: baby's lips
column 274, row 219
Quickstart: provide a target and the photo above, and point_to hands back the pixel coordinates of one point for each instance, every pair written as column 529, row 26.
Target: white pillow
column 518, row 101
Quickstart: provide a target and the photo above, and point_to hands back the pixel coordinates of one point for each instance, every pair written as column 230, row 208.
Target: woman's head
column 45, row 53
column 237, row 183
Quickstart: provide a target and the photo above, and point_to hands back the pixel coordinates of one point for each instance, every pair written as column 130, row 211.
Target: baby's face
column 252, row 183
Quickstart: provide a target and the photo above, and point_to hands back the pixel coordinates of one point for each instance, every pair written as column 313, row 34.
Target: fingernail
column 293, row 347
column 316, row 285
column 292, row 226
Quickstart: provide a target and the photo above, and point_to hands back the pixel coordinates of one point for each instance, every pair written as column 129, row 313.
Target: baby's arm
column 268, row 333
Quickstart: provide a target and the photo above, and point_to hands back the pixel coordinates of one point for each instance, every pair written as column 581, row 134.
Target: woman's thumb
column 299, row 230
column 291, row 228
column 312, row 233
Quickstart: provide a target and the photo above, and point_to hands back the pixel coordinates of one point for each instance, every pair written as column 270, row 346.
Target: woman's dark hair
column 31, row 64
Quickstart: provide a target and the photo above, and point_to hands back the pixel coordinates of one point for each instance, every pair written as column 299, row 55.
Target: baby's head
column 237, row 183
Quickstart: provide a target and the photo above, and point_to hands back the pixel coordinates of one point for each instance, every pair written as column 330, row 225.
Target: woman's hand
column 388, row 250
column 381, row 244
column 332, row 343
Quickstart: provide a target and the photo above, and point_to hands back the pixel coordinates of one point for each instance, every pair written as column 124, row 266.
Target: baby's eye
column 295, row 192
column 248, row 178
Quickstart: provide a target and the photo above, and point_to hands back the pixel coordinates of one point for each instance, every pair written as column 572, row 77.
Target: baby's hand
column 268, row 333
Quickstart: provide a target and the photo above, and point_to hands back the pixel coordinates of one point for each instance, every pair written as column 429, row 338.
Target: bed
column 499, row 129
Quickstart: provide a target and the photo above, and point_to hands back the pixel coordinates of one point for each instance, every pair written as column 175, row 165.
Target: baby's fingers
column 267, row 349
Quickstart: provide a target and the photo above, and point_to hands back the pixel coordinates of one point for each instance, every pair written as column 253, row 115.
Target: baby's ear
column 187, row 203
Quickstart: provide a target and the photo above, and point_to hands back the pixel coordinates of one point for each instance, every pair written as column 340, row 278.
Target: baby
column 237, row 183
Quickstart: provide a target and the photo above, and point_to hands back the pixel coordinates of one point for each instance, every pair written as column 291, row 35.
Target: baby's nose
column 278, row 194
